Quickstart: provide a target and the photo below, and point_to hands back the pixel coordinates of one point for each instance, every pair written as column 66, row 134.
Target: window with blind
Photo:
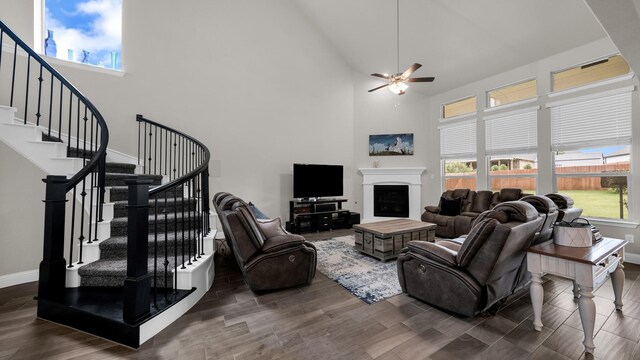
column 591, row 142
column 511, row 148
column 458, row 155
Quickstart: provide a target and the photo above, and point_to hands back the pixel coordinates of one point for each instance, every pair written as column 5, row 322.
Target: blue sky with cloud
column 91, row 25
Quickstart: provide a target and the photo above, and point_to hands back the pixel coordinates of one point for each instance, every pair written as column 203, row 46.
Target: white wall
column 21, row 195
column 253, row 80
column 541, row 71
column 376, row 113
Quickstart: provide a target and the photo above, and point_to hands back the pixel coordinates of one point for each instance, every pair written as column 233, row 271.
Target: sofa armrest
column 433, row 209
column 434, row 252
column 280, row 242
column 470, row 214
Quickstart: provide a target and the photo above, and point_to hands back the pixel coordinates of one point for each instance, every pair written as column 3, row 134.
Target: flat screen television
column 314, row 181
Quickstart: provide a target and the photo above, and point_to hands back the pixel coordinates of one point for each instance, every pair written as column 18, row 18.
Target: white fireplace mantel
column 411, row 176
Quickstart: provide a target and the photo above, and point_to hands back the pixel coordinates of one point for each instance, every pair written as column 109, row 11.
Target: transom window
column 592, row 72
column 459, row 107
column 512, row 93
column 84, row 31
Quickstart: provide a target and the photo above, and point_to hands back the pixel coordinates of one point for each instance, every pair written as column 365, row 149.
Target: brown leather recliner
column 470, row 277
column 565, row 205
column 269, row 257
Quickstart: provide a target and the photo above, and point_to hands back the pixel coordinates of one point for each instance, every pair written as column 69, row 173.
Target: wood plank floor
column 324, row 321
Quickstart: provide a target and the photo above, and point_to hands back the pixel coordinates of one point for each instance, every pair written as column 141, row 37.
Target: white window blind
column 458, row 140
column 513, row 132
column 600, row 121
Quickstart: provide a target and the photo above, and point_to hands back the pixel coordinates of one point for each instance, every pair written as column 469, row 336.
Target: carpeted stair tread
column 117, row 179
column 119, row 225
column 120, row 207
column 112, row 272
column 121, row 168
column 48, row 138
column 116, row 246
column 80, row 152
column 119, row 193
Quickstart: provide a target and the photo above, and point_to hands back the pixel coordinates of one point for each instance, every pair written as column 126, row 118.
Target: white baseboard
column 18, row 278
column 632, row 258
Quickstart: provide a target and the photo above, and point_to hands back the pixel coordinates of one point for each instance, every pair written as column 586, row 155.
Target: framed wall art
column 390, row 144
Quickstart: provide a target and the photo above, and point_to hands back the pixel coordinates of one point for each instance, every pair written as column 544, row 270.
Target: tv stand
column 318, row 215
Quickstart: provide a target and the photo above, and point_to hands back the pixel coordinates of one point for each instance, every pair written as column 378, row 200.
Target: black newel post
column 137, row 285
column 53, row 265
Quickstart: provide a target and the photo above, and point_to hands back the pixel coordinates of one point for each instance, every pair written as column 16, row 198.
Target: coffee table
column 385, row 239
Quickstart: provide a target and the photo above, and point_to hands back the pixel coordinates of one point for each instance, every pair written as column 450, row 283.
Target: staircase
column 128, row 244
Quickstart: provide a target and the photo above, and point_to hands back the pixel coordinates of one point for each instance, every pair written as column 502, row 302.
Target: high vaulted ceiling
column 457, row 41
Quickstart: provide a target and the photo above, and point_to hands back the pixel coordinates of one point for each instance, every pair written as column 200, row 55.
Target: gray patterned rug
column 369, row 279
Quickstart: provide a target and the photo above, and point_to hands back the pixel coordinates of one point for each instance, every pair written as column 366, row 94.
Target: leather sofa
column 473, row 203
column 467, row 276
column 269, row 256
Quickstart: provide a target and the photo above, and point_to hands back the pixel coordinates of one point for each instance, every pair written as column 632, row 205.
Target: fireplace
column 391, row 201
column 409, row 178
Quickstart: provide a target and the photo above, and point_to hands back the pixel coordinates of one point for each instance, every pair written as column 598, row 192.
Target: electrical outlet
column 629, row 238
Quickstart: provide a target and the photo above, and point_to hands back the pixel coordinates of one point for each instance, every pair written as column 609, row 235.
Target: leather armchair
column 269, row 256
column 471, row 275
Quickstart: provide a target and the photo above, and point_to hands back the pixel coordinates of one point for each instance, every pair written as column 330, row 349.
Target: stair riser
column 120, row 194
column 118, row 280
column 171, row 250
column 120, row 229
column 122, row 211
column 119, row 181
column 120, row 169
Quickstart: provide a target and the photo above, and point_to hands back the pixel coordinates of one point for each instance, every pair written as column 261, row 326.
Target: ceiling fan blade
column 386, row 77
column 379, row 87
column 410, row 70
column 420, row 79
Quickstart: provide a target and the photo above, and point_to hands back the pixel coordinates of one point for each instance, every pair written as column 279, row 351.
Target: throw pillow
column 271, row 228
column 450, row 207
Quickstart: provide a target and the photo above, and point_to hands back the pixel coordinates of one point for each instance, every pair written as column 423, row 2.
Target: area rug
column 369, row 279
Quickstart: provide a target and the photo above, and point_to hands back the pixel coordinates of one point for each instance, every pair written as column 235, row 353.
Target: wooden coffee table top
column 394, row 227
column 592, row 255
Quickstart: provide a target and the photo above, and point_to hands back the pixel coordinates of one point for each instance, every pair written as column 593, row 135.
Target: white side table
column 587, row 267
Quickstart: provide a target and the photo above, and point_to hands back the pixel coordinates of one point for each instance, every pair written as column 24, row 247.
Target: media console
column 318, row 215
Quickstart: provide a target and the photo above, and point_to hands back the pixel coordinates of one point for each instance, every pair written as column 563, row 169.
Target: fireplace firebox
column 391, row 201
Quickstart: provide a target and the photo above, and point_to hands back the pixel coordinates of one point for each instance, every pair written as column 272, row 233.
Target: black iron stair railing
column 184, row 162
column 65, row 115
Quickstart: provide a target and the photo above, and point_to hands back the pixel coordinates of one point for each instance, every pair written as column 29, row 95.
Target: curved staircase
column 128, row 249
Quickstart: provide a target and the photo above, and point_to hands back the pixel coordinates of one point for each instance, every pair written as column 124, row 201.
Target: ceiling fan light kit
column 397, row 83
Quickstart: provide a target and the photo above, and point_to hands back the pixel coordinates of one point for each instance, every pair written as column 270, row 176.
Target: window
column 84, row 31
column 460, row 107
column 511, row 143
column 512, row 93
column 592, row 142
column 458, row 155
column 589, row 73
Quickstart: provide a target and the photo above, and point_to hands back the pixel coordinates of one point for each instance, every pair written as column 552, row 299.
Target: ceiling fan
column 397, row 83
